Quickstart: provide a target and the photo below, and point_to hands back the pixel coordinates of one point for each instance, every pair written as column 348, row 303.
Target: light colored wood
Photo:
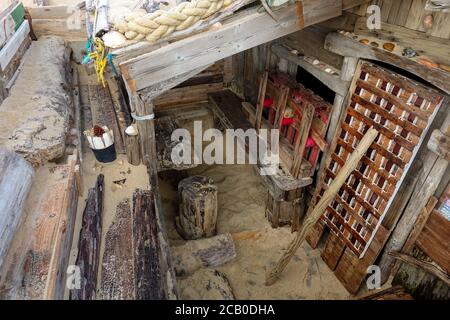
column 10, row 49
column 436, row 48
column 16, row 178
column 332, row 81
column 242, row 32
column 439, row 143
column 348, row 47
column 319, row 209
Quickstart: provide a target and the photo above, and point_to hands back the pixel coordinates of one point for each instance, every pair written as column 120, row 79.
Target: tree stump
column 198, row 208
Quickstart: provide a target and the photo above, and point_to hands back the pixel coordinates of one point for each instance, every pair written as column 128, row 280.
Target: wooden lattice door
column 402, row 111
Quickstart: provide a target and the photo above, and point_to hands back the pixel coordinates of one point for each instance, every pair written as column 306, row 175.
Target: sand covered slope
column 35, row 117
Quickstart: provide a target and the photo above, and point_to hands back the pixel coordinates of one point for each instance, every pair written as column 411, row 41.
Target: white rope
column 159, row 24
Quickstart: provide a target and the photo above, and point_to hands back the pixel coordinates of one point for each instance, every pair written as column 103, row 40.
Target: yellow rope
column 100, row 57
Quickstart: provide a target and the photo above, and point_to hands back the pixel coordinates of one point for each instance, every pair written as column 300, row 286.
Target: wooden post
column 89, row 243
column 198, row 208
column 132, row 146
column 347, row 73
column 146, row 129
column 261, row 98
column 324, row 202
column 16, row 178
column 429, row 178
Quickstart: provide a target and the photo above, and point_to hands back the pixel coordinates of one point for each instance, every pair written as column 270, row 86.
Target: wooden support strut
column 320, row 208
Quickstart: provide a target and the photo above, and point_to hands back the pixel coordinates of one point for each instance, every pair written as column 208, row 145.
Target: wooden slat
column 10, row 49
column 432, row 242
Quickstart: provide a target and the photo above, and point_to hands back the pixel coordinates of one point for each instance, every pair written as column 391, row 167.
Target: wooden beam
column 435, row 48
column 88, row 258
column 248, row 29
column 426, row 266
column 439, row 143
column 332, row 81
column 348, row 47
column 319, row 209
column 429, row 179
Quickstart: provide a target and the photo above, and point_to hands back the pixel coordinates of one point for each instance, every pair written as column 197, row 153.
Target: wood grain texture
column 16, row 178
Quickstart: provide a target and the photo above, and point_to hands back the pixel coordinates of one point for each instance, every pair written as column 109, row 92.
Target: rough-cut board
column 348, row 47
column 10, row 49
column 47, row 257
column 248, row 29
column 402, row 112
column 153, row 272
column 89, row 243
column 16, row 178
column 118, row 260
column 433, row 241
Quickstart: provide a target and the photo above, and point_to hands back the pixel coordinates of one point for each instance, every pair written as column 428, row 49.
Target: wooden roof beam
column 243, row 31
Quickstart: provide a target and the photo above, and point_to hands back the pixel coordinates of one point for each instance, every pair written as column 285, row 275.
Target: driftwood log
column 89, row 243
column 118, row 260
column 206, row 284
column 16, row 178
column 198, row 208
column 211, row 253
column 153, row 271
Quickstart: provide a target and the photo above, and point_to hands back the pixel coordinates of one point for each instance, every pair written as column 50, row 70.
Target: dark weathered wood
column 146, row 128
column 211, row 253
column 104, row 114
column 118, row 278
column 428, row 267
column 153, row 274
column 133, row 147
column 16, row 178
column 324, row 202
column 89, row 243
column 164, row 128
column 394, row 293
column 198, row 208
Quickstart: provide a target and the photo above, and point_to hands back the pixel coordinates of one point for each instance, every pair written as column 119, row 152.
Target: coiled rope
column 140, row 25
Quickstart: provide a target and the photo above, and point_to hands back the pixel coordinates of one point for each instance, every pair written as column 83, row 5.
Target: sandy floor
column 241, row 208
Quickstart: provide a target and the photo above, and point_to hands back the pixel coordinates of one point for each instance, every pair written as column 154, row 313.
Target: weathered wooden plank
column 332, row 81
column 10, row 49
column 16, row 178
column 152, row 276
column 205, row 253
column 346, row 46
column 436, row 48
column 439, row 143
column 241, row 33
column 89, row 243
column 431, row 240
column 118, row 278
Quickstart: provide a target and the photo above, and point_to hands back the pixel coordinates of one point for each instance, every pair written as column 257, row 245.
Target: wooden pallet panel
column 401, row 110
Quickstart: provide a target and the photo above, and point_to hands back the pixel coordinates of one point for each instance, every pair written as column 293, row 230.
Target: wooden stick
column 318, row 211
column 426, row 266
column 261, row 98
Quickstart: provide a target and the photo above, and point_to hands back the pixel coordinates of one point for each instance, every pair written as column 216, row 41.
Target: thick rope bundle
column 141, row 25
